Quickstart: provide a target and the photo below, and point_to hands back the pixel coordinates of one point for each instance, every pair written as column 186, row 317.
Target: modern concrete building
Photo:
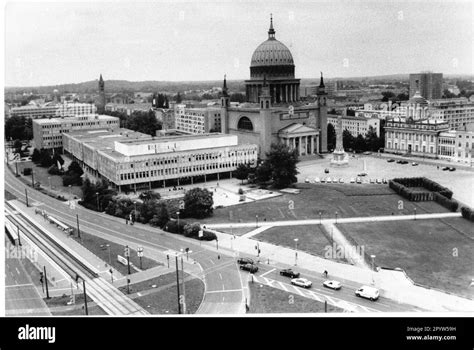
column 465, row 144
column 429, row 84
column 34, row 111
column 131, row 161
column 197, row 120
column 47, row 133
column 416, row 137
column 457, row 112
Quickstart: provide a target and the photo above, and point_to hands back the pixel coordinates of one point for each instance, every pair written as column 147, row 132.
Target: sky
column 48, row 43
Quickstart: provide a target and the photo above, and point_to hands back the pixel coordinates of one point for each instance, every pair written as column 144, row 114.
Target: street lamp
column 177, row 213
column 320, row 218
column 256, row 220
column 296, row 250
column 336, row 217
column 97, row 196
column 373, row 262
column 415, row 213
column 70, row 194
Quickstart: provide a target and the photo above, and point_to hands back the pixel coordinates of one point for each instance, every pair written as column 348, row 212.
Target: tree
column 178, row 98
column 282, row 162
column 448, row 94
column 17, row 146
column 36, row 156
column 45, row 158
column 331, row 137
column 198, row 203
column 263, row 173
column 58, row 159
column 74, row 168
column 387, row 95
column 359, row 143
column 149, row 195
column 403, row 97
column 372, row 140
column 161, row 217
column 18, row 127
column 242, row 172
column 144, row 122
column 347, row 139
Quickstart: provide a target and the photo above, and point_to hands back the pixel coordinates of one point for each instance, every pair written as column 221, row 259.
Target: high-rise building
column 429, row 84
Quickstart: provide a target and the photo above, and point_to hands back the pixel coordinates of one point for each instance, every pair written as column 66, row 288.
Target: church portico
column 300, row 137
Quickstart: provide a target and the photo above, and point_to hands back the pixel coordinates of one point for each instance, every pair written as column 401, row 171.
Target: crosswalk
column 343, row 304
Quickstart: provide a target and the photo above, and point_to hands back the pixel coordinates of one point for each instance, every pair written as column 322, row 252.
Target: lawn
column 94, row 243
column 237, row 231
column 311, row 238
column 265, row 299
column 437, row 253
column 163, row 299
column 348, row 200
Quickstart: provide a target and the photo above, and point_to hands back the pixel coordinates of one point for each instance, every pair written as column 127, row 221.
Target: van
column 367, row 292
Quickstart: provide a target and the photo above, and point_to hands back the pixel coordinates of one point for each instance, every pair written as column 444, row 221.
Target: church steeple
column 321, row 83
column 224, row 87
column 271, row 31
column 101, row 83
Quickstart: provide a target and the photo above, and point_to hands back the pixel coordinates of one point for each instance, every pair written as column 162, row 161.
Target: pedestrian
column 326, row 273
column 126, row 221
column 218, row 257
column 437, row 167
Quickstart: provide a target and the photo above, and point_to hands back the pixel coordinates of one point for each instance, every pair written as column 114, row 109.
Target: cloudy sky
column 54, row 43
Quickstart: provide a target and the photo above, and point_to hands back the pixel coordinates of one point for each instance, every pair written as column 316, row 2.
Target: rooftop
column 75, row 118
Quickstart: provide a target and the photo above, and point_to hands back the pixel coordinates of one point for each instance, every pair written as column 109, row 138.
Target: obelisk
column 339, row 157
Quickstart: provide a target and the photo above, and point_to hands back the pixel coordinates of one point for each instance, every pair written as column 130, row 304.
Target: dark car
column 249, row 267
column 403, row 162
column 452, row 169
column 362, row 174
column 289, row 273
column 326, row 171
column 446, row 168
column 391, row 160
column 245, row 261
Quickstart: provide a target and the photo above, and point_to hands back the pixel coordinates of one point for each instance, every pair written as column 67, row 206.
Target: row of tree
column 18, row 128
column 369, row 142
column 144, row 122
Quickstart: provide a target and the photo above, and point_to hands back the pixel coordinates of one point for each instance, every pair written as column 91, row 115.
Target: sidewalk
column 392, row 284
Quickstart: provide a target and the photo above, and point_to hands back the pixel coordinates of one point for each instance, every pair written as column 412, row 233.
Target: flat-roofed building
column 465, row 144
column 197, row 120
column 356, row 125
column 447, row 145
column 130, row 160
column 34, row 111
column 458, row 112
column 47, row 133
column 416, row 137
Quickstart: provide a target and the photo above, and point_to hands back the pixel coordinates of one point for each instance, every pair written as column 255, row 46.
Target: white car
column 352, row 180
column 316, row 180
column 332, row 284
column 306, row 180
column 341, row 180
column 334, row 180
column 302, row 282
column 328, row 179
column 367, row 292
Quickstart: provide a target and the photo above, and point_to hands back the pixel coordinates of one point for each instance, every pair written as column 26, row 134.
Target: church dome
column 272, row 53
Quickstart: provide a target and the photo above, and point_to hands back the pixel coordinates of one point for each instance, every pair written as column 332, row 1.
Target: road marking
column 269, row 281
column 223, row 291
column 298, row 290
column 315, row 296
column 17, row 271
column 20, row 285
column 220, row 275
column 266, row 273
column 283, row 286
column 213, row 263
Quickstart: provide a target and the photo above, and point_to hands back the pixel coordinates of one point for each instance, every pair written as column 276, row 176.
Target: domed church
column 273, row 112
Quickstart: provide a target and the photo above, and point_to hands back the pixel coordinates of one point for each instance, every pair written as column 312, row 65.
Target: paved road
column 223, row 285
column 21, row 295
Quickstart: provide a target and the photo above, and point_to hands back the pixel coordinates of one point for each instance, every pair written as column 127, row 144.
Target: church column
column 311, row 145
column 297, row 92
column 294, row 92
column 291, row 93
column 317, row 144
column 281, row 94
column 294, row 142
column 299, row 144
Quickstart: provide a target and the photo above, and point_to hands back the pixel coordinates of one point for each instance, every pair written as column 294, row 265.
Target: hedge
column 450, row 204
column 467, row 213
column 402, row 187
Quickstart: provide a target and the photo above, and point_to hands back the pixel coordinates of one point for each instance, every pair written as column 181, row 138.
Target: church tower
column 225, row 104
column 101, row 104
column 321, row 95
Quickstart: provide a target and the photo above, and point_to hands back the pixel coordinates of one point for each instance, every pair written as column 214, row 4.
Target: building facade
column 47, row 133
column 457, row 112
column 415, row 137
column 356, row 125
column 130, row 160
column 35, row 112
column 197, row 120
column 429, row 84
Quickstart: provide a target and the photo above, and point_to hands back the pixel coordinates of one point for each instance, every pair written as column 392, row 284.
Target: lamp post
column 177, row 213
column 97, row 197
column 296, row 250
column 70, row 194
column 49, row 179
column 336, row 217
column 110, row 260
column 256, row 221
column 373, row 262
column 26, row 195
column 415, row 213
column 177, row 284
column 320, row 218
column 33, row 178
column 184, row 289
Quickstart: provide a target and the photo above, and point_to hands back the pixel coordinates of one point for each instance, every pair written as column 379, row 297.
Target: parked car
column 404, row 162
column 362, row 174
column 326, row 171
column 316, row 180
column 390, row 160
column 302, row 282
column 323, row 180
column 385, row 181
column 367, row 153
column 359, row 180
column 414, row 164
column 341, row 180
column 352, row 180
column 244, row 261
column 372, row 181
column 445, row 168
column 379, row 181
column 452, row 169
column 249, row 267
column 306, row 180
column 289, row 273
column 334, row 180
column 367, row 292
column 336, row 285
column 328, row 180
column 399, row 161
